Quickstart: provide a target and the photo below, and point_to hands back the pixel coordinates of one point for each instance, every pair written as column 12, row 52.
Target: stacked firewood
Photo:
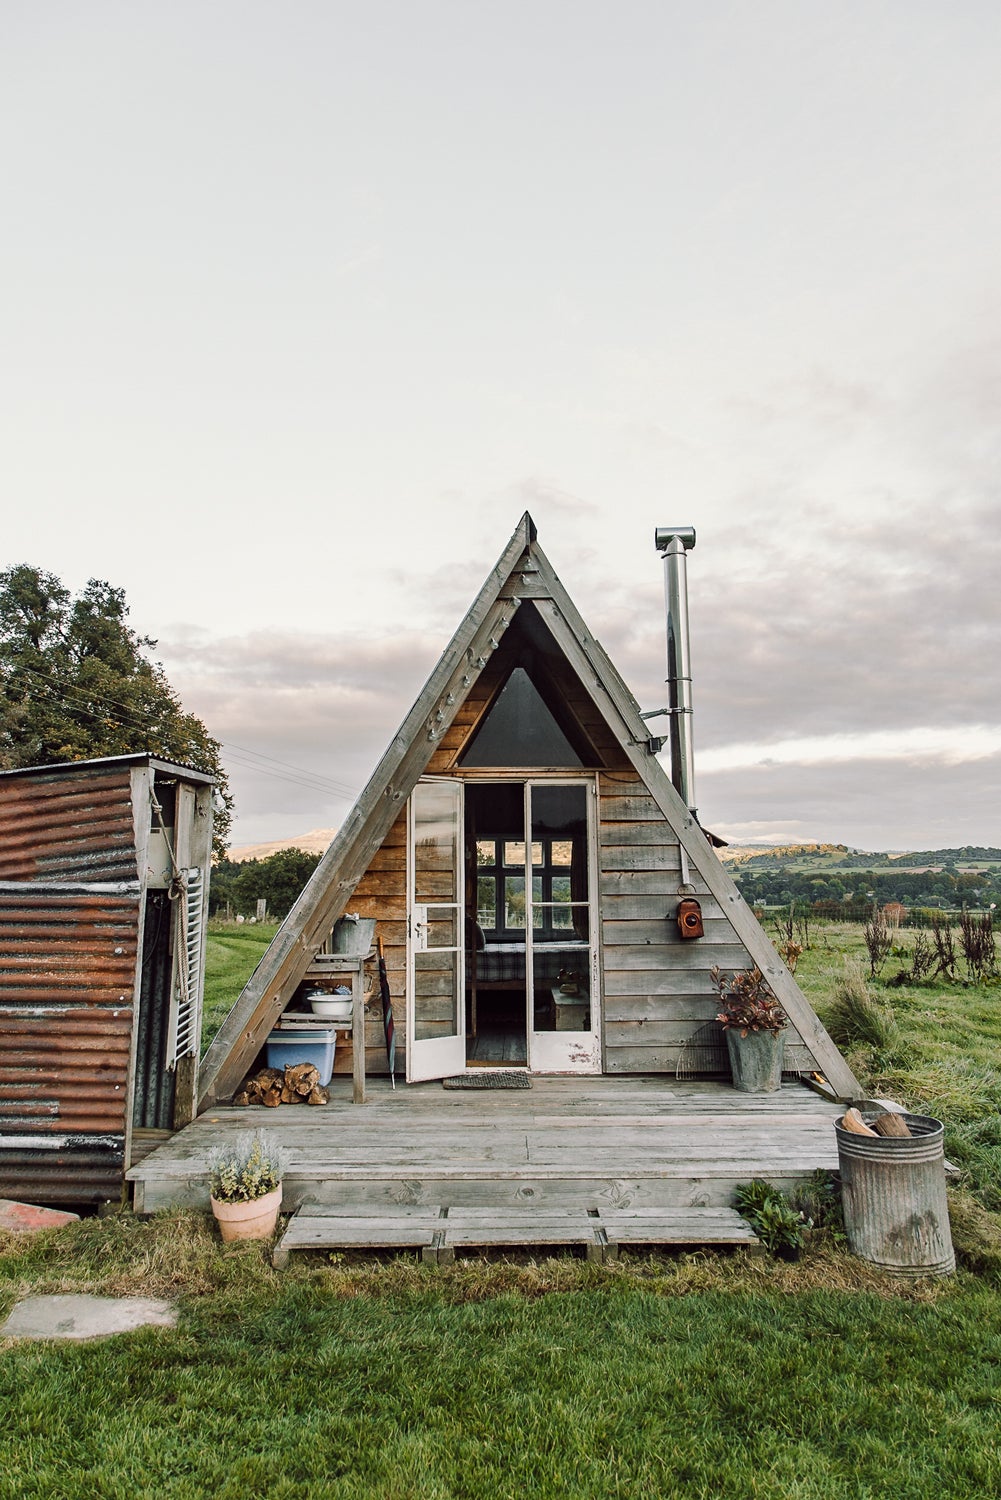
column 299, row 1083
column 887, row 1123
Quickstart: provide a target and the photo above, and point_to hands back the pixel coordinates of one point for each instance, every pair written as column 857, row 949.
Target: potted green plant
column 754, row 1023
column 245, row 1186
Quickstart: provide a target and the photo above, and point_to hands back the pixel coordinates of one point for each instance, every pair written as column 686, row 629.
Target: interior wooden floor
column 647, row 1158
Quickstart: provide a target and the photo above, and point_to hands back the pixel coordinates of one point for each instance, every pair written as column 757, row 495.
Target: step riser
column 640, row 1192
column 550, row 1192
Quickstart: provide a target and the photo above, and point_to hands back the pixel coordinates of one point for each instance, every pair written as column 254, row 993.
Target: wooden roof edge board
column 596, row 671
column 329, row 889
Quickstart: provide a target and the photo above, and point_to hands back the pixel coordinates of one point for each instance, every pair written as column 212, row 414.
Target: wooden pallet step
column 405, row 1229
column 693, row 1226
column 439, row 1232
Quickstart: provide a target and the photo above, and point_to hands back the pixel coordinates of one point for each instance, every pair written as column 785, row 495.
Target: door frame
column 547, row 1051
column 436, row 1057
column 565, row 1051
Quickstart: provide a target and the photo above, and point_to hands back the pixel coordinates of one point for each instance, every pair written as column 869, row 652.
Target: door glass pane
column 436, row 842
column 435, row 995
column 486, row 851
column 562, row 988
column 442, row 928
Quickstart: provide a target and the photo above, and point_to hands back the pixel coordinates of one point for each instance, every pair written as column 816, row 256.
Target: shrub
column 856, row 1016
column 252, row 1166
column 778, row 1225
column 747, row 1001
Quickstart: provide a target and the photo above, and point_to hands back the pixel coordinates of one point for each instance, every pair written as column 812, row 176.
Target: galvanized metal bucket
column 894, row 1199
column 353, row 936
column 755, row 1060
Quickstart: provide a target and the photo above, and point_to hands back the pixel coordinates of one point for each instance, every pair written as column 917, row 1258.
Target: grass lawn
column 674, row 1376
column 232, row 952
column 700, row 1376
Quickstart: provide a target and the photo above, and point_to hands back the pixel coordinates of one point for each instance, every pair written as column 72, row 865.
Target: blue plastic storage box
column 313, row 1046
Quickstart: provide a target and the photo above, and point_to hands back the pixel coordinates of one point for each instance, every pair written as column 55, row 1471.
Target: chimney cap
column 664, row 535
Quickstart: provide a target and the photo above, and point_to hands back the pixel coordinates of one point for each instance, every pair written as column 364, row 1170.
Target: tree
column 278, row 880
column 76, row 683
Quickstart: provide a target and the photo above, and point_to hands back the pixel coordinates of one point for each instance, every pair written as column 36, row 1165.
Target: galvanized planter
column 894, row 1198
column 755, row 1060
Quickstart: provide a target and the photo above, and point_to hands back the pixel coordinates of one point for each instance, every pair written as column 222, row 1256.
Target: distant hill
column 828, row 857
column 739, row 854
column 316, row 842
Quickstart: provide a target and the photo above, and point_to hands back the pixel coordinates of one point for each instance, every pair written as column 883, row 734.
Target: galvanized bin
column 894, row 1198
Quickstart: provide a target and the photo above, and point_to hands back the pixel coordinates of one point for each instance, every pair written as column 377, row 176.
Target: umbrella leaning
column 387, row 1015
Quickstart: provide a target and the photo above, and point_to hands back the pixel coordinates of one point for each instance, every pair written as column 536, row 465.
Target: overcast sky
column 302, row 305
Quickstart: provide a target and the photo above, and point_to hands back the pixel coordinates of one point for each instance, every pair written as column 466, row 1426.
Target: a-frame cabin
column 524, row 854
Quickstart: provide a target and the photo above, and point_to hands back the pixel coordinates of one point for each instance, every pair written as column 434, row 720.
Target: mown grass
column 696, row 1376
column 688, row 1376
column 232, row 952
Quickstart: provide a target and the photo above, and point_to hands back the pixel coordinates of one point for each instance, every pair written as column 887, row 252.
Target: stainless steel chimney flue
column 674, row 542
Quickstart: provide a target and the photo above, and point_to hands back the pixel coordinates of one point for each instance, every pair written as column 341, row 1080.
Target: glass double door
column 502, row 966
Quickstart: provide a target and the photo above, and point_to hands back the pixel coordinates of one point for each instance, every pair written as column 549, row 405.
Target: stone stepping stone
column 81, row 1316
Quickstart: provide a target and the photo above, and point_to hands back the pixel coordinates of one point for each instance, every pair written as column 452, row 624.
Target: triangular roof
column 523, row 572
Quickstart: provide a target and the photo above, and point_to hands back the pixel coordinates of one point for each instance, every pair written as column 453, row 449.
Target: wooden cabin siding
column 382, row 893
column 657, row 990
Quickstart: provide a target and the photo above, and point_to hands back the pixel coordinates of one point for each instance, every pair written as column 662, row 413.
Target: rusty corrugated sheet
column 68, row 824
column 67, row 972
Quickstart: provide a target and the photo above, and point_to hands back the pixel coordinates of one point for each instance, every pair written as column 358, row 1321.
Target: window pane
column 514, row 901
column 486, row 852
column 538, row 916
column 486, row 901
column 537, row 856
column 514, row 854
column 561, row 913
column 562, row 853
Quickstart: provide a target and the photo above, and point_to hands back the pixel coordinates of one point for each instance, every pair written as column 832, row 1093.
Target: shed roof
column 136, row 758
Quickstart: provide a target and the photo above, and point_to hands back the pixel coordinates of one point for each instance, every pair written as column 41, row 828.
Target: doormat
column 485, row 1079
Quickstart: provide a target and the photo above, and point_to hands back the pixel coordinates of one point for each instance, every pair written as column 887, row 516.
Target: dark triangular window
column 520, row 730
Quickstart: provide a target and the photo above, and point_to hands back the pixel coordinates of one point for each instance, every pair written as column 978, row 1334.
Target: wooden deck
column 645, row 1159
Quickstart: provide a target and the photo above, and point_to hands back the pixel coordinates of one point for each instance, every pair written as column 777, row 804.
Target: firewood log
column 301, row 1079
column 242, row 1097
column 891, row 1124
column 271, row 1097
column 318, row 1096
column 854, row 1122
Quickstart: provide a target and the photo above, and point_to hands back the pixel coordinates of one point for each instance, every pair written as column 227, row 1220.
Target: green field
column 690, row 1375
column 232, row 952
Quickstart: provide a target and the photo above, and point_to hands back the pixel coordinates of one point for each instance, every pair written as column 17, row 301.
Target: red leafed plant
column 747, row 1000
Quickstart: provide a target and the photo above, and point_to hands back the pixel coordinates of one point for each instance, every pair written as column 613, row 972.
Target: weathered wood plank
column 633, row 932
column 667, row 956
column 637, row 808
column 635, row 857
column 628, row 835
column 660, row 884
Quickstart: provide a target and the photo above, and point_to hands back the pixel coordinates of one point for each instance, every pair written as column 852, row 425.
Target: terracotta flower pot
column 254, row 1220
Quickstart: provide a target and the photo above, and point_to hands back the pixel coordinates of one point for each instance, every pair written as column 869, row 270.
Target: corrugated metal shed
column 76, row 886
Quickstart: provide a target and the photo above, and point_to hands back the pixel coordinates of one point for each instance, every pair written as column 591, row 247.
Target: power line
column 295, row 775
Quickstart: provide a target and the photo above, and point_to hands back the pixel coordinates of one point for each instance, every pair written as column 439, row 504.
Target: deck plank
column 569, row 1142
